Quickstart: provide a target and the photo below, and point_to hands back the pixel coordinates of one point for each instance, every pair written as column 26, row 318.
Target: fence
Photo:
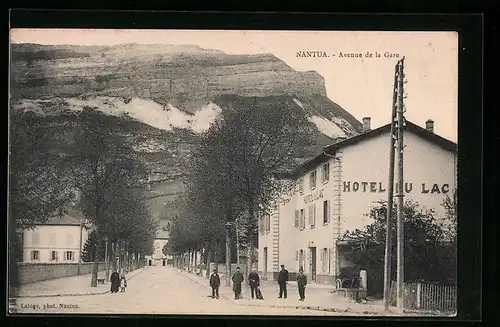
column 422, row 296
column 37, row 272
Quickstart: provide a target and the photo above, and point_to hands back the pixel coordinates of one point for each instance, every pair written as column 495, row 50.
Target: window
column 301, row 185
column 325, row 172
column 296, row 255
column 35, row 255
column 310, row 215
column 52, row 239
column 69, row 256
column 296, row 218
column 69, row 239
column 312, row 180
column 53, row 256
column 325, row 261
column 35, row 238
column 326, row 212
column 268, row 223
column 302, row 219
column 301, row 259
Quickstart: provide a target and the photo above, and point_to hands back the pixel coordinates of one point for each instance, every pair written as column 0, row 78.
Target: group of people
column 254, row 283
column 118, row 283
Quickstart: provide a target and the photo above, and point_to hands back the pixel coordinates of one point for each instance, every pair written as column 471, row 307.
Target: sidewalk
column 69, row 286
column 318, row 297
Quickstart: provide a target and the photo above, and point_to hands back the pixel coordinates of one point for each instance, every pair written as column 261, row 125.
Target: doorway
column 150, row 263
column 265, row 262
column 164, row 262
column 313, row 264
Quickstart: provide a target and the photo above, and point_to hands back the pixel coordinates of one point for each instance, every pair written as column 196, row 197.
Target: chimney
column 429, row 125
column 366, row 124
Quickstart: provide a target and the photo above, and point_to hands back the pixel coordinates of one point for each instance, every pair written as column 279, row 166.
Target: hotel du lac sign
column 379, row 187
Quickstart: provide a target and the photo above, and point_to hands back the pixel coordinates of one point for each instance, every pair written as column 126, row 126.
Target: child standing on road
column 123, row 283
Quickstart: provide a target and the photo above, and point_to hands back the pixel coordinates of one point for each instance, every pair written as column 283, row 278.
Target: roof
column 330, row 150
column 162, row 235
column 65, row 220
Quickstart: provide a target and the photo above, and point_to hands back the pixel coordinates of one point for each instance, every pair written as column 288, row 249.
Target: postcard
column 233, row 172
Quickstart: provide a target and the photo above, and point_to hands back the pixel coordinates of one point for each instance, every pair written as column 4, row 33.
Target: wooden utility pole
column 390, row 197
column 400, row 221
column 228, row 258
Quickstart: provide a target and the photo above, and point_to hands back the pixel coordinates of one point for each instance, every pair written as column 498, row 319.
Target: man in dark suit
column 282, row 281
column 301, row 284
column 214, row 284
column 253, row 281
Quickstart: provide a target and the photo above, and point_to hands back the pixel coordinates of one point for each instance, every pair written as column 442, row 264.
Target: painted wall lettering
column 313, row 196
column 379, row 187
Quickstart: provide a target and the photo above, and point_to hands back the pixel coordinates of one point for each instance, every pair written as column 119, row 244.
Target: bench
column 100, row 280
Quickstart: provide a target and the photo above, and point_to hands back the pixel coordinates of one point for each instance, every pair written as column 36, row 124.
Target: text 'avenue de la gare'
column 341, row 54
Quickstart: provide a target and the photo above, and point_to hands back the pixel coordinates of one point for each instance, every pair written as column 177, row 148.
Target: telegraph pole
column 400, row 221
column 80, row 247
column 390, row 191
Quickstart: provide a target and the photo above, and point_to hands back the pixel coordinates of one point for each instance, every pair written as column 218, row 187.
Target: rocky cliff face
column 162, row 96
column 184, row 76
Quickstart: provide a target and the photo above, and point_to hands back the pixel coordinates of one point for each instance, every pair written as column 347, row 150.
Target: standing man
column 301, row 284
column 282, row 281
column 237, row 280
column 253, row 281
column 215, row 283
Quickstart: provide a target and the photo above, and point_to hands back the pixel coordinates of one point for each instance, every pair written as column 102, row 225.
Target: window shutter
column 327, row 211
column 330, row 260
column 296, row 218
column 268, row 223
column 310, row 215
column 302, row 219
column 296, row 255
column 261, row 225
column 314, row 215
column 308, row 259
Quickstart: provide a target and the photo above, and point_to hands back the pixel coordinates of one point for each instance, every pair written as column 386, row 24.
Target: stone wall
column 36, row 272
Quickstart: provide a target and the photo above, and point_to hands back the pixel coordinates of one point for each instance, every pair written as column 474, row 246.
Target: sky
column 362, row 86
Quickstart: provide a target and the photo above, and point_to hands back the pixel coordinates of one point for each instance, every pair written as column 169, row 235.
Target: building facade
column 158, row 257
column 335, row 190
column 57, row 241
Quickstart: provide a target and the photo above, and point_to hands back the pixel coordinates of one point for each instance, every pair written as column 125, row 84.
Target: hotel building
column 335, row 190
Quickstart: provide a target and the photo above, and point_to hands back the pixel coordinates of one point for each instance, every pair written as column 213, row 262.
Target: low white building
column 56, row 241
column 335, row 190
column 158, row 257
